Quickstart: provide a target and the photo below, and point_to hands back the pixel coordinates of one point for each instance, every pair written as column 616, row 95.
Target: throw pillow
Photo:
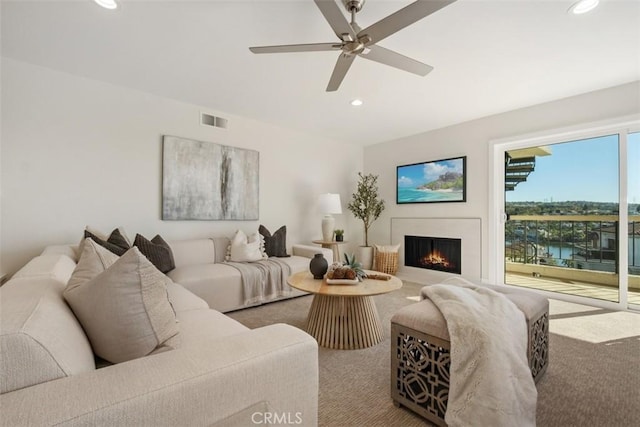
column 94, row 260
column 157, row 251
column 388, row 248
column 116, row 242
column 125, row 310
column 105, row 236
column 245, row 248
column 275, row 244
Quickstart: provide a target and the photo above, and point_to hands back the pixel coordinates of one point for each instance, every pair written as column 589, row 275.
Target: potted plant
column 339, row 235
column 366, row 205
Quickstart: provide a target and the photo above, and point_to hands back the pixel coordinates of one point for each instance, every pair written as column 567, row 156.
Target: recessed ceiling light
column 583, row 6
column 356, row 102
column 107, row 4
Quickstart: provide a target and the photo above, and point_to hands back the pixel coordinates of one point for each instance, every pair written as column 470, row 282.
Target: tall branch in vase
column 365, row 203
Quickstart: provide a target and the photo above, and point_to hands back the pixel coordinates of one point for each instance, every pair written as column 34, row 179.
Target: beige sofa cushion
column 220, row 285
column 192, row 251
column 69, row 250
column 54, row 266
column 183, row 300
column 220, row 244
column 198, row 326
column 125, row 310
column 40, row 338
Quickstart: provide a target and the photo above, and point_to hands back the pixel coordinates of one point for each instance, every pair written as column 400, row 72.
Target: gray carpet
column 592, row 379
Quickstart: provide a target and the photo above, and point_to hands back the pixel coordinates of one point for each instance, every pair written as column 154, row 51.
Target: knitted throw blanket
column 490, row 380
column 263, row 280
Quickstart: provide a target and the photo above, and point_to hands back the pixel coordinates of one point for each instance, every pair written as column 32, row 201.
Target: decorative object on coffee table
column 318, row 266
column 339, row 235
column 329, row 204
column 333, row 245
column 366, row 205
column 348, row 273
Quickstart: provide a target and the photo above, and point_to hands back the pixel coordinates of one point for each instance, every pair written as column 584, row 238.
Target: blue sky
column 415, row 175
column 581, row 170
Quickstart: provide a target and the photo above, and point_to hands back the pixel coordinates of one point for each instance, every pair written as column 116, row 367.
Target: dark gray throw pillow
column 157, row 251
column 116, row 242
column 275, row 244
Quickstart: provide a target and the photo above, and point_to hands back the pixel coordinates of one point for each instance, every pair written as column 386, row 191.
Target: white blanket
column 490, row 380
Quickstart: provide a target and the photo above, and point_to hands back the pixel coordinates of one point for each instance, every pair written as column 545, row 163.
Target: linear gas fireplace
column 433, row 253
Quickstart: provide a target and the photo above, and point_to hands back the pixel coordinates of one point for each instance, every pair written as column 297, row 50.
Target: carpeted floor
column 593, row 377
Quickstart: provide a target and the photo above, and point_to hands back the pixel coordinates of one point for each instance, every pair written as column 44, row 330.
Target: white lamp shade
column 329, row 203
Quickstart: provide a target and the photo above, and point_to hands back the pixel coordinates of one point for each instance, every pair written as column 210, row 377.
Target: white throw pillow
column 245, row 248
column 388, row 248
column 125, row 310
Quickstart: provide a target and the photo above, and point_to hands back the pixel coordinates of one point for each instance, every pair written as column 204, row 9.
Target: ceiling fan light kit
column 355, row 41
column 583, row 6
column 107, row 4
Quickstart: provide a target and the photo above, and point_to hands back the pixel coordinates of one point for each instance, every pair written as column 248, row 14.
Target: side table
column 333, row 245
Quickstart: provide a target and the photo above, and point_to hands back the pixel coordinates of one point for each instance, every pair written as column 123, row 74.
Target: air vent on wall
column 209, row 120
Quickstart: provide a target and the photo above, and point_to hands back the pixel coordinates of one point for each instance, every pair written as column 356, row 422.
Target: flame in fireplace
column 436, row 258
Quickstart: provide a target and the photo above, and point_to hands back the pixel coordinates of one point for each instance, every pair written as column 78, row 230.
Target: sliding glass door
column 562, row 206
column 567, row 214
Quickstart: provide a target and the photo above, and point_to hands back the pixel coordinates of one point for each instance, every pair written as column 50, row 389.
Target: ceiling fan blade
column 335, row 18
column 311, row 47
column 396, row 60
column 340, row 70
column 402, row 18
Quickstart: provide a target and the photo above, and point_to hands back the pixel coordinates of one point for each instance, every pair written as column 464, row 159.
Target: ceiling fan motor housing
column 353, row 4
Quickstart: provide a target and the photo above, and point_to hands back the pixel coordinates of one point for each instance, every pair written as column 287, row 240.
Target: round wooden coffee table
column 344, row 316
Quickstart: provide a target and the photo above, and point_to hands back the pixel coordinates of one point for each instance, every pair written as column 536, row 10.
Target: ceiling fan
column 355, row 41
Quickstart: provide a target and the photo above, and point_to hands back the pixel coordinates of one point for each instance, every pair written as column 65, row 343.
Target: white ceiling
column 489, row 57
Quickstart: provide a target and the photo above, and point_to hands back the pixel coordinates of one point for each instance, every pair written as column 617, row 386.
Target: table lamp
column 329, row 204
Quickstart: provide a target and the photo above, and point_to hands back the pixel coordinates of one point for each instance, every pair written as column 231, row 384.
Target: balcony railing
column 584, row 242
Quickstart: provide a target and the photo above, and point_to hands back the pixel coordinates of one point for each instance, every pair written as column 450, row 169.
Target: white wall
column 471, row 139
column 79, row 152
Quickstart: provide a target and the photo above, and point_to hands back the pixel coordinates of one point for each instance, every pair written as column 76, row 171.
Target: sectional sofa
column 222, row 373
column 200, row 268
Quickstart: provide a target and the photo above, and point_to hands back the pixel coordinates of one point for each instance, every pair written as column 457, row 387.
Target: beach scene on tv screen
column 441, row 181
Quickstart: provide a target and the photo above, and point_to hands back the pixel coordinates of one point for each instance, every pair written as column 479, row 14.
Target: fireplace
column 433, row 253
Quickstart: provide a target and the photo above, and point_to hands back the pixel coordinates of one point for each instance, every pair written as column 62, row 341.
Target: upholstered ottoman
column 420, row 351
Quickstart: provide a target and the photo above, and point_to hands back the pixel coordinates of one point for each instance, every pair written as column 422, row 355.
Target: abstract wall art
column 208, row 181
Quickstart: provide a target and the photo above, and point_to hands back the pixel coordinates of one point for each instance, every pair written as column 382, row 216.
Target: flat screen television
column 438, row 181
